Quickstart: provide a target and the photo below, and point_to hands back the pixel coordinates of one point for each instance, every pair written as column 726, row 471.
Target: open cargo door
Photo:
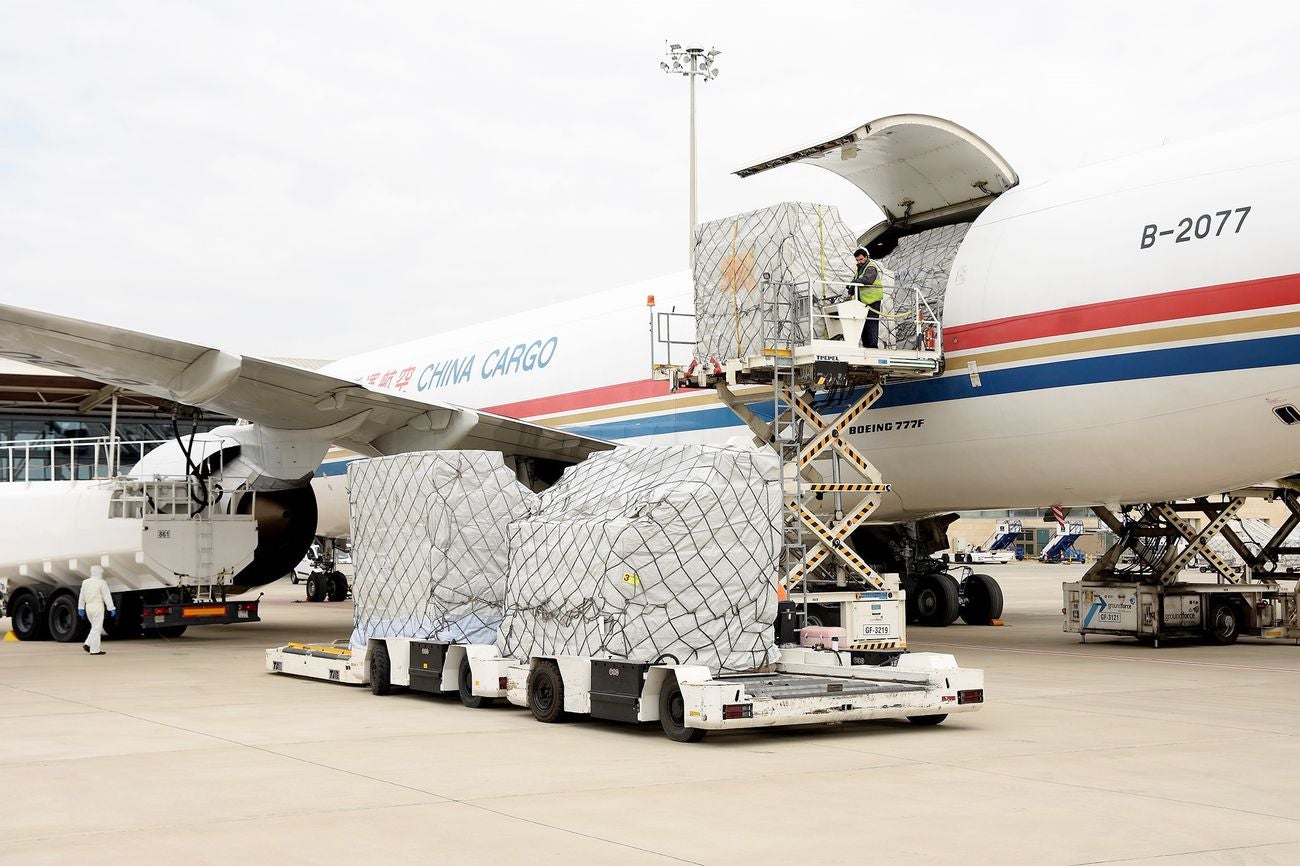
column 919, row 170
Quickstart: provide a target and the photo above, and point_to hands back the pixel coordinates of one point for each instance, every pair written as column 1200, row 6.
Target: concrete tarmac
column 186, row 751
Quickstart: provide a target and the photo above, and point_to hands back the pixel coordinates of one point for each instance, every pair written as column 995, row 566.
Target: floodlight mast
column 691, row 61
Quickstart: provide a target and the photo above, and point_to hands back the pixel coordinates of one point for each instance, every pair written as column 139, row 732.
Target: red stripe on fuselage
column 591, row 398
column 1184, row 304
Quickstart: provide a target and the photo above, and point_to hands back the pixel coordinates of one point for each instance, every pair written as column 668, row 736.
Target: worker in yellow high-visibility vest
column 871, row 291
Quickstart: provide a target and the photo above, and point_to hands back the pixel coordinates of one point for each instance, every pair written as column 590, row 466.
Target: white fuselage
column 1132, row 325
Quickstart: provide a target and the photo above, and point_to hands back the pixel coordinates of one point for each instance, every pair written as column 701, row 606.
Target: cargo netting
column 429, row 544
column 804, row 246
column 807, row 251
column 653, row 555
column 922, row 261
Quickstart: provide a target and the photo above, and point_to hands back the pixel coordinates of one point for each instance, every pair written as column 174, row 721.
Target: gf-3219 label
column 1198, row 227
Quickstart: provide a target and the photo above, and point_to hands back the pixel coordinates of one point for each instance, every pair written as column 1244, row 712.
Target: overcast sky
column 319, row 178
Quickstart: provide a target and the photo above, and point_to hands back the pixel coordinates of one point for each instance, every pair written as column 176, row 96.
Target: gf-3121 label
column 1198, row 227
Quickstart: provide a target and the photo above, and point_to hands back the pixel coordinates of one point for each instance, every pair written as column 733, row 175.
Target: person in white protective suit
column 91, row 604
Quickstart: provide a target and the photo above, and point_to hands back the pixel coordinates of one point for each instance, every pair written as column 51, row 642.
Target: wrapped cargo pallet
column 805, row 248
column 650, row 554
column 922, row 261
column 429, row 544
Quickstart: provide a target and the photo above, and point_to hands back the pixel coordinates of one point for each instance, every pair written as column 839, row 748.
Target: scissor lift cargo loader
column 1136, row 589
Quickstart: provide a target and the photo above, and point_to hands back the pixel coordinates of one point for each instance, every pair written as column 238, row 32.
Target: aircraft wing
column 271, row 394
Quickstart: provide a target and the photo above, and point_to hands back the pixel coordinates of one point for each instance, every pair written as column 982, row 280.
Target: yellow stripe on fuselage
column 1145, row 337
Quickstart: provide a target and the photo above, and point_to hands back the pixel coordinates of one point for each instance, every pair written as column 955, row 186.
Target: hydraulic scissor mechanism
column 1157, row 542
column 811, row 438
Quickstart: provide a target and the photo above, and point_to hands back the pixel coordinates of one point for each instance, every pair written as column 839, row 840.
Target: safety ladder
column 785, row 435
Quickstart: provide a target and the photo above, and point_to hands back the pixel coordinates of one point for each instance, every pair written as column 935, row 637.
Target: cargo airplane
column 1127, row 332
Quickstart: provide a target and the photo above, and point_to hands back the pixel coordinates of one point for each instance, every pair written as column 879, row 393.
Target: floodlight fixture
column 693, row 62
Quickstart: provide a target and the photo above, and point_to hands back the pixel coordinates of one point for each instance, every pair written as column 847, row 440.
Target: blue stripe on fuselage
column 1151, row 364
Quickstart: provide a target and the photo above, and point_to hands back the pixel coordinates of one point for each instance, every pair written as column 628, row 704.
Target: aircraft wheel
column 316, row 587
column 336, row 586
column 62, row 621
column 672, row 716
column 25, row 614
column 953, row 584
column 936, row 600
column 546, row 693
column 982, row 600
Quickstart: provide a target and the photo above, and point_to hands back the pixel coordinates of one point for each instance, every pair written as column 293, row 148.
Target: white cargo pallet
column 806, row 687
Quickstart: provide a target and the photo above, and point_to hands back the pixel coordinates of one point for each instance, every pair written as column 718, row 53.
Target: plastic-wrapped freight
column 429, row 543
column 650, row 554
column 804, row 245
column 1255, row 533
column 924, row 261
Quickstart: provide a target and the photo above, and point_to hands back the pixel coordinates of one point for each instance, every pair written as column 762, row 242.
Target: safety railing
column 800, row 312
column 86, row 459
column 908, row 320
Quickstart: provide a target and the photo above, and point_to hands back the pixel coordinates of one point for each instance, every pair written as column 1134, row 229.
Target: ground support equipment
column 1136, row 588
column 806, row 686
column 832, row 488
column 187, row 545
column 474, row 672
column 999, row 549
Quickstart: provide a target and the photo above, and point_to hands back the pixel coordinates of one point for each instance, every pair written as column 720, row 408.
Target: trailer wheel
column 546, row 693
column 171, row 631
column 936, row 600
column 465, row 687
column 336, row 586
column 25, row 613
column 62, row 621
column 381, row 670
column 316, row 587
column 1224, row 626
column 672, row 716
column 927, row 721
column 983, row 600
